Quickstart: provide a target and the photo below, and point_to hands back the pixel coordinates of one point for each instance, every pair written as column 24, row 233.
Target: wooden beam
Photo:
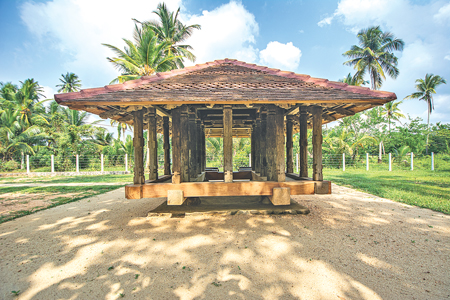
column 317, row 143
column 289, row 144
column 152, row 142
column 138, row 143
column 228, row 143
column 166, row 146
column 303, row 141
column 215, row 189
column 341, row 111
column 163, row 112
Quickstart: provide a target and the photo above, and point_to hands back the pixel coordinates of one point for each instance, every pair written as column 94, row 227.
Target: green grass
column 428, row 189
column 70, row 179
column 62, row 192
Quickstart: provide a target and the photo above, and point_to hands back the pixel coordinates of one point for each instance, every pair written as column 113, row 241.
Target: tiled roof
column 224, row 81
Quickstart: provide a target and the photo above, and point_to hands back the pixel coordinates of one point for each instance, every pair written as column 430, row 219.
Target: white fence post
column 22, row 161
column 250, row 160
column 412, row 161
column 28, row 164
column 367, row 161
column 297, row 164
column 78, row 164
column 390, row 162
column 126, row 162
column 53, row 163
column 432, row 161
column 101, row 161
column 343, row 161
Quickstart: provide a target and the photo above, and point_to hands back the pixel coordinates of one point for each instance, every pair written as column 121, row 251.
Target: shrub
column 9, row 165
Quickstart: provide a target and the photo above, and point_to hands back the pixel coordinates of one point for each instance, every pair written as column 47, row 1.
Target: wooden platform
column 238, row 188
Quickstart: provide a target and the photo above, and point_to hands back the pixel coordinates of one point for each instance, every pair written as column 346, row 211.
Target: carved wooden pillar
column 280, row 157
column 176, row 146
column 184, row 134
column 303, row 141
column 263, row 142
column 317, row 143
column 289, row 144
column 192, row 143
column 166, row 146
column 203, row 136
column 199, row 143
column 228, row 143
column 252, row 143
column 258, row 137
column 138, row 143
column 152, row 144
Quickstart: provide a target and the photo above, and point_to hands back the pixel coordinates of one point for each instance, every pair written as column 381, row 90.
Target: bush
column 10, row 165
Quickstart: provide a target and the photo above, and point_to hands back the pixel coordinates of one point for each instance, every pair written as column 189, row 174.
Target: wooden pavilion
column 226, row 98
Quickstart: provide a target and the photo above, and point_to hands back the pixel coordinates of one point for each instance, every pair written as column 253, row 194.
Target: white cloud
column 78, row 27
column 48, row 92
column 423, row 27
column 325, row 21
column 228, row 31
column 281, row 56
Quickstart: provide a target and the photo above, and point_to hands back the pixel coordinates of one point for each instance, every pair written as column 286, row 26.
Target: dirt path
column 352, row 246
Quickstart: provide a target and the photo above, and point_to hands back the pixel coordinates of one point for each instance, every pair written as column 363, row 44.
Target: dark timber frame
column 228, row 99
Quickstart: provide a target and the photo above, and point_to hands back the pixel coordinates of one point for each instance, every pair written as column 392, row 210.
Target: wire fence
column 108, row 163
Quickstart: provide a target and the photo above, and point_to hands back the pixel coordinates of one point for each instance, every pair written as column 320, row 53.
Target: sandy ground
column 351, row 246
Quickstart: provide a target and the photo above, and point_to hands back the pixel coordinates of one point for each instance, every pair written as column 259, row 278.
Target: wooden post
column 303, row 141
column 280, row 157
column 258, row 138
column 199, row 145
column 289, row 144
column 228, row 143
column 152, row 142
column 138, row 143
column 166, row 146
column 184, row 142
column 252, row 151
column 263, row 143
column 203, row 149
column 192, row 143
column 271, row 147
column 317, row 143
column 176, row 146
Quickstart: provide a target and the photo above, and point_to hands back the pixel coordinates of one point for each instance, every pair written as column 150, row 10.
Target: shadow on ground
column 351, row 246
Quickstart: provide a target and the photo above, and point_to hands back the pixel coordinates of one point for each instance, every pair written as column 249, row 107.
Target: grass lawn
column 70, row 179
column 428, row 189
column 17, row 201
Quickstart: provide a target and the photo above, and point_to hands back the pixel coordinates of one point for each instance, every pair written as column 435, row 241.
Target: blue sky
column 43, row 39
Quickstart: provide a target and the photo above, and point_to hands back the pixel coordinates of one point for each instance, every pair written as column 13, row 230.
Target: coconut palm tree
column 356, row 79
column 144, row 57
column 392, row 112
column 69, row 83
column 121, row 128
column 425, row 90
column 171, row 31
column 374, row 55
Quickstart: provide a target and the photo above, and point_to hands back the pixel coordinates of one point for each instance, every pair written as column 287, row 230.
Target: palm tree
column 374, row 55
column 69, row 83
column 171, row 31
column 425, row 90
column 144, row 57
column 121, row 128
column 356, row 79
column 392, row 112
